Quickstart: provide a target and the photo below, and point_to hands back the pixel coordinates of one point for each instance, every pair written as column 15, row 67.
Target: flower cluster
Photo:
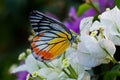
column 63, row 68
column 95, row 45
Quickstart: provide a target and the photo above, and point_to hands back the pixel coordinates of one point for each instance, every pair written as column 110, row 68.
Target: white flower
column 72, row 54
column 31, row 65
column 84, row 76
column 54, row 69
column 114, row 16
column 85, row 25
column 92, row 52
column 51, row 74
column 98, row 29
column 95, row 47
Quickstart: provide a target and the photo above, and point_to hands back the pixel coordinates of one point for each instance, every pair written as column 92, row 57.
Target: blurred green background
column 15, row 28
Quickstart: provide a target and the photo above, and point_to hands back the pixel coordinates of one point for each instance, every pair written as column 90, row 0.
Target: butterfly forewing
column 52, row 37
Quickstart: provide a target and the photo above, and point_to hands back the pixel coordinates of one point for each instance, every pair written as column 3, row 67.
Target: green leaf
column 117, row 2
column 112, row 75
column 82, row 8
column 116, row 67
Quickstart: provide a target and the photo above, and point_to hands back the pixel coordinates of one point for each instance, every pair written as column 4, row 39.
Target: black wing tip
column 36, row 12
column 33, row 12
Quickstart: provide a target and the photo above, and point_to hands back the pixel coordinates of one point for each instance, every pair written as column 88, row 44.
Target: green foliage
column 82, row 8
column 117, row 2
column 117, row 67
column 113, row 74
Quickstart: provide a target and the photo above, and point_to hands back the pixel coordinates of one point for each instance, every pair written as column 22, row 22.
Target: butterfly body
column 52, row 37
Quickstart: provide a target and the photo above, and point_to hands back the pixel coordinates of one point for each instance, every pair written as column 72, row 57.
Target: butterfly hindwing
column 52, row 37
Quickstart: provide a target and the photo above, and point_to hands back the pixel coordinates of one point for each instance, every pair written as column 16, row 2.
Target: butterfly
column 52, row 37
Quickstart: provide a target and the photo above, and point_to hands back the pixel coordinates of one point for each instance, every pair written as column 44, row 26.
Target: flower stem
column 63, row 56
column 66, row 73
column 113, row 60
column 91, row 3
column 47, row 65
column 41, row 78
column 101, row 31
column 73, row 72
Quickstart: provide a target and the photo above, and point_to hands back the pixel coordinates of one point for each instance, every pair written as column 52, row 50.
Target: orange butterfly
column 52, row 37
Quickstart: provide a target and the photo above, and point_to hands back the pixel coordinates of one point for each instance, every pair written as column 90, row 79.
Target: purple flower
column 90, row 12
column 103, row 4
column 74, row 21
column 22, row 75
